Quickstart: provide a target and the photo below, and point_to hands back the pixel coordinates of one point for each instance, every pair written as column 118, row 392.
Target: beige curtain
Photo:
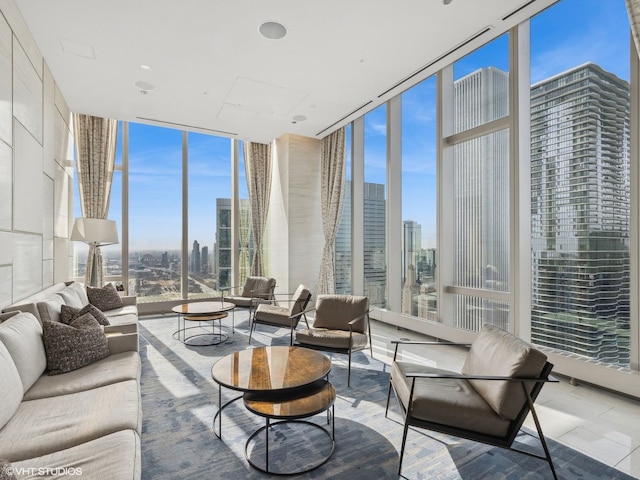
column 95, row 159
column 257, row 164
column 633, row 9
column 332, row 193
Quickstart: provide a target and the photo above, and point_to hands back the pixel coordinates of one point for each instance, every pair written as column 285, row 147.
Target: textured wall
column 36, row 166
column 295, row 232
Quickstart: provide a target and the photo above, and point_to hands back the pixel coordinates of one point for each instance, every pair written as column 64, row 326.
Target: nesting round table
column 198, row 312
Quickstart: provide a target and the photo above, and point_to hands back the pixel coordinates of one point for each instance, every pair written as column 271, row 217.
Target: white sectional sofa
column 84, row 423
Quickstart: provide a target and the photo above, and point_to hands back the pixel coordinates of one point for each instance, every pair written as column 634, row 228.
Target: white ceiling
column 213, row 72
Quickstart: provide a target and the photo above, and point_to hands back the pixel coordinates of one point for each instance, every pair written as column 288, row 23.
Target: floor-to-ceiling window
column 155, row 212
column 580, row 182
column 419, row 200
column 480, row 187
column 375, row 169
column 209, row 180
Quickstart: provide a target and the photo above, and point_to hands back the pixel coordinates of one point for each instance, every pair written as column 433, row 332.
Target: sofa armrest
column 129, row 300
column 122, row 338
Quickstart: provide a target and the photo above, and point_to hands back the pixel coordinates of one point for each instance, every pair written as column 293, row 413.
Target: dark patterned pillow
column 6, row 470
column 68, row 314
column 69, row 347
column 105, row 298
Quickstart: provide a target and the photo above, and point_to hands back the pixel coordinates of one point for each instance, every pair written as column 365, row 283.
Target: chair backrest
column 299, row 300
column 496, row 352
column 264, row 286
column 336, row 311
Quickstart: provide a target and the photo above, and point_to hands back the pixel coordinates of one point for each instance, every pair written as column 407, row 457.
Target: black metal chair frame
column 294, row 319
column 515, row 426
column 255, row 299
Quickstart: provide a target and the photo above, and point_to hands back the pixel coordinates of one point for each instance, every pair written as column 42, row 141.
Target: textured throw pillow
column 68, row 314
column 6, row 470
column 105, row 298
column 69, row 347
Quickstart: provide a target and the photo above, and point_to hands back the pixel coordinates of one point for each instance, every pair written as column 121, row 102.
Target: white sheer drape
column 95, row 160
column 332, row 193
column 633, row 9
column 257, row 164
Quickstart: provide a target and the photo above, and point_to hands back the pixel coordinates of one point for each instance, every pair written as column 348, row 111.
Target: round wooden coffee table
column 279, row 383
column 202, row 312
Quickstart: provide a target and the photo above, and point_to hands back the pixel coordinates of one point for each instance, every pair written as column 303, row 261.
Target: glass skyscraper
column 580, row 213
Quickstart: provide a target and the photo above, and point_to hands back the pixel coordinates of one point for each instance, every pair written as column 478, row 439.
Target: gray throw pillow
column 68, row 314
column 69, row 347
column 6, row 470
column 105, row 298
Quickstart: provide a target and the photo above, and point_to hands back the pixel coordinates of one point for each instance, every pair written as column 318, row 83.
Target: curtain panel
column 95, row 161
column 257, row 164
column 332, row 194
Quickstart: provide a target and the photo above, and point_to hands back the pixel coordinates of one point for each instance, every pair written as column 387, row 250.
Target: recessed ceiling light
column 299, row 118
column 144, row 86
column 145, row 67
column 272, row 30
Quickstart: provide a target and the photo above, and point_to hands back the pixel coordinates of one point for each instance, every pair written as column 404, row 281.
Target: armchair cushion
column 327, row 338
column 496, row 352
column 263, row 285
column 447, row 401
column 273, row 314
column 336, row 311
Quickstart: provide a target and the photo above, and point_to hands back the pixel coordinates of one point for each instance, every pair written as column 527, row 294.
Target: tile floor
column 596, row 422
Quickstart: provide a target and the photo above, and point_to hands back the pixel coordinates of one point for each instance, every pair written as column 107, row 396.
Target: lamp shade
column 95, row 230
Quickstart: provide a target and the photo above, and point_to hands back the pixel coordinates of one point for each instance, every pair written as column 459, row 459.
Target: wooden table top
column 200, row 308
column 270, row 369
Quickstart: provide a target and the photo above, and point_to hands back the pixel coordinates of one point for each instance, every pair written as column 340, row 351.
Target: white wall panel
column 6, row 83
column 50, row 115
column 5, row 286
column 27, row 93
column 27, row 206
column 27, row 265
column 6, row 186
column 48, row 213
column 6, row 248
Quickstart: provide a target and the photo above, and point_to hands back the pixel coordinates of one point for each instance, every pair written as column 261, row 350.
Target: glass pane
column 419, row 200
column 482, row 79
column 343, row 236
column 473, row 312
column 375, row 178
column 580, row 179
column 209, row 171
column 155, row 212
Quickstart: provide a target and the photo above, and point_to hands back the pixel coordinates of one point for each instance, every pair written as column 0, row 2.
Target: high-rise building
column 222, row 247
column 375, row 266
column 580, row 213
column 481, row 197
column 411, row 245
column 194, row 265
column 204, row 267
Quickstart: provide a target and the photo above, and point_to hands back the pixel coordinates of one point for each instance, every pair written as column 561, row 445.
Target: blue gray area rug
column 179, row 401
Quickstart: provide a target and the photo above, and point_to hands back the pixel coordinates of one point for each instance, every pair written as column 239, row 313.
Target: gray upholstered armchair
column 487, row 402
column 256, row 290
column 287, row 313
column 341, row 325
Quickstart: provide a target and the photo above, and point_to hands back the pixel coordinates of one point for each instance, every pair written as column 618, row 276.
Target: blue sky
column 564, row 36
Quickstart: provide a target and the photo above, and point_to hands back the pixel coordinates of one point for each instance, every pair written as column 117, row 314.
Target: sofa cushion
column 115, row 368
column 10, row 385
column 46, row 425
column 68, row 314
column 105, row 298
column 71, row 298
column 49, row 308
column 22, row 335
column 113, row 456
column 80, row 290
column 72, row 346
column 496, row 352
